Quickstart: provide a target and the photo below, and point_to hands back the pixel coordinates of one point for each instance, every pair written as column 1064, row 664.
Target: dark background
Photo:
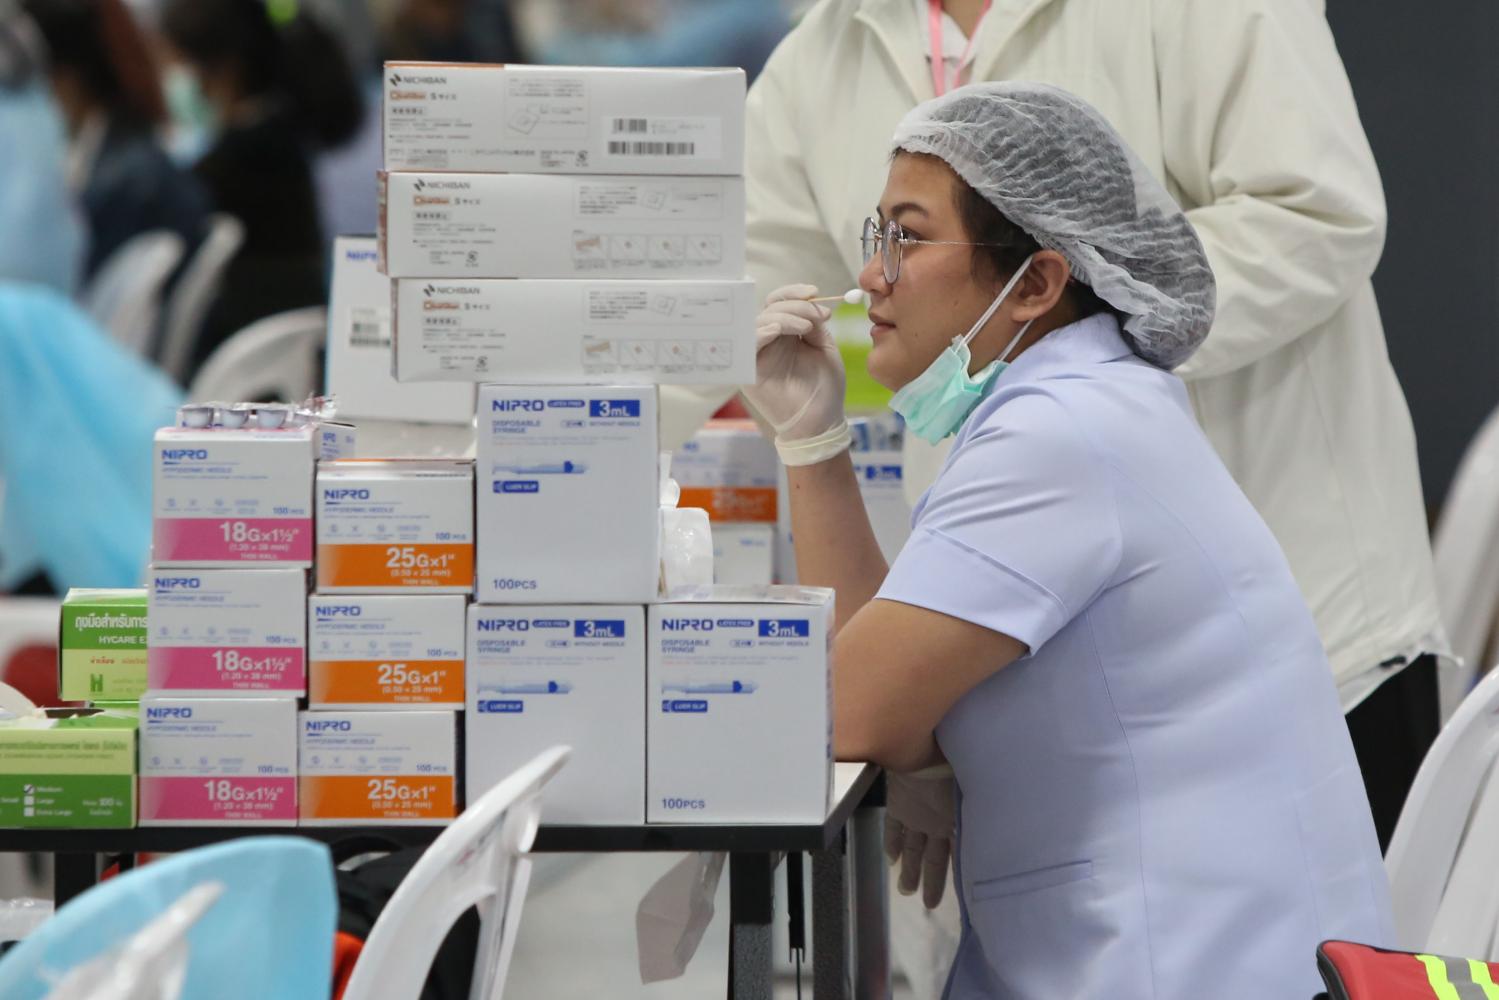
column 1427, row 82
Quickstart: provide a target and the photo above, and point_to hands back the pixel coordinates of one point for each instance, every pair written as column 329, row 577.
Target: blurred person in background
column 449, row 31
column 267, row 87
column 739, row 33
column 105, row 82
column 41, row 235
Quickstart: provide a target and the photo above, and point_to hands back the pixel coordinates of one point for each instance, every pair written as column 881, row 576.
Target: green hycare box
column 102, row 646
column 67, row 768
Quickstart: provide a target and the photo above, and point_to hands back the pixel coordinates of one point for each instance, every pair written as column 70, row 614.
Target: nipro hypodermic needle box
column 563, row 119
column 438, row 225
column 232, row 497
column 568, row 495
column 227, row 632
column 571, row 674
column 378, row 768
column 739, row 724
column 387, row 651
column 397, row 525
column 218, row 761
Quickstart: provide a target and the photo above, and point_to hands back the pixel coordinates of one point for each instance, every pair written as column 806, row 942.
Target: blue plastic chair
column 268, row 937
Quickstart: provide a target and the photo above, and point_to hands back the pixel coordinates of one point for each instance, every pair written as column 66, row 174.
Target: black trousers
column 1392, row 729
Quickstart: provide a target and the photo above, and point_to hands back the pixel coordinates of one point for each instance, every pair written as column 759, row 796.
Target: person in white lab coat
column 1090, row 622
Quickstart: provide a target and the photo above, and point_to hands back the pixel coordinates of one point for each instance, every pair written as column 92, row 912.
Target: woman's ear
column 1041, row 288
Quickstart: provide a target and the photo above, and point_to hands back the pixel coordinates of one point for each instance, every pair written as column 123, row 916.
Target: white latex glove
column 799, row 378
column 920, row 821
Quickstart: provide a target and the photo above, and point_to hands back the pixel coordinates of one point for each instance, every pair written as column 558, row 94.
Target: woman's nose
column 872, row 277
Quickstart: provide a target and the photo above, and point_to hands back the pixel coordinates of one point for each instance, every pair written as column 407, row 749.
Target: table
column 847, row 865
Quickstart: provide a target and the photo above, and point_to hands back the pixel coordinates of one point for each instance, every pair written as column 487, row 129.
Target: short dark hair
column 985, row 223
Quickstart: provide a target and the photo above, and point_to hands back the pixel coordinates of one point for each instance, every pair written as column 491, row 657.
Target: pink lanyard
column 939, row 66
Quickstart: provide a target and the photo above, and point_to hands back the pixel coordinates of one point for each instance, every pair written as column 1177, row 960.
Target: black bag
column 363, row 892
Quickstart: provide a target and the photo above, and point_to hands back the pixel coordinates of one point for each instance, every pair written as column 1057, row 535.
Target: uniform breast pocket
column 1041, row 929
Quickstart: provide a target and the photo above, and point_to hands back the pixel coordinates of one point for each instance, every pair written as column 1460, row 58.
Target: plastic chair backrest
column 151, row 964
column 1424, row 848
column 1463, row 549
column 478, row 861
column 1467, row 920
column 124, row 296
column 196, row 289
column 272, row 358
column 271, row 935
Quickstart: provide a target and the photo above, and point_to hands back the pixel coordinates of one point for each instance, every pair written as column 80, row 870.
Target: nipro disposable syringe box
column 395, row 525
column 361, row 345
column 102, row 645
column 68, row 768
column 568, row 495
column 540, row 676
column 562, row 331
column 218, row 761
column 227, row 632
column 435, row 225
column 563, row 120
column 386, row 651
column 739, row 724
column 378, row 768
column 232, row 497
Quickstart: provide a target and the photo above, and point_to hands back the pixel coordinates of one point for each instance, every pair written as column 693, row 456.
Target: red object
column 1361, row 972
column 346, row 949
column 732, row 410
column 32, row 670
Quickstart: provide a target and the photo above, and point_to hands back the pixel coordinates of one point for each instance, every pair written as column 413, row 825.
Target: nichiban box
column 360, row 348
column 378, row 768
column 540, row 676
column 218, row 761
column 569, row 497
column 435, row 225
column 69, row 768
column 739, row 724
column 385, row 652
column 102, row 645
column 227, row 632
column 390, row 526
column 569, row 331
column 744, row 554
column 563, row 119
column 233, row 497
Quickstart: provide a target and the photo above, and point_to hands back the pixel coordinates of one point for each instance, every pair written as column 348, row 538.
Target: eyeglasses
column 888, row 244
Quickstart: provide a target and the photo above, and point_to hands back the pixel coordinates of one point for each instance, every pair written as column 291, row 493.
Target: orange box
column 733, row 504
column 377, row 768
column 394, row 526
column 386, row 651
column 729, row 470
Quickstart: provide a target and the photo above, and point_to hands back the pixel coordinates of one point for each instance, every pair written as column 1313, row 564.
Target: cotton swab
column 853, row 297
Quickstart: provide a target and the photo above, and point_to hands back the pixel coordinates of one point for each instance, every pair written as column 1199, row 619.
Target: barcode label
column 630, row 126
column 369, row 327
column 652, row 149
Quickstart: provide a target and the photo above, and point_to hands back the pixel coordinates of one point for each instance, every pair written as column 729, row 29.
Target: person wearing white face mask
column 1090, row 623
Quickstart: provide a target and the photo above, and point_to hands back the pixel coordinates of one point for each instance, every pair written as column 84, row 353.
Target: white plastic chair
column 272, row 358
column 1467, row 919
column 1464, row 550
column 124, row 296
column 195, row 291
column 1424, row 848
column 480, row 860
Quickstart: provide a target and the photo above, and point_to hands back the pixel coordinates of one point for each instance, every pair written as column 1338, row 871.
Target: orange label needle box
column 386, row 652
column 377, row 768
column 395, row 525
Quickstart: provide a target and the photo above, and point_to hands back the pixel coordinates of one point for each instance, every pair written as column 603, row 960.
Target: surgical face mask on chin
column 936, row 402
column 194, row 121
